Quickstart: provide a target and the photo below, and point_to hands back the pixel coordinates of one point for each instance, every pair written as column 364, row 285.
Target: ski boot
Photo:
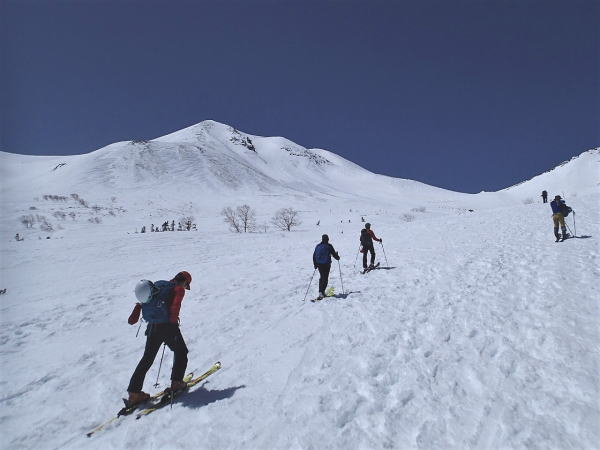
column 178, row 385
column 136, row 398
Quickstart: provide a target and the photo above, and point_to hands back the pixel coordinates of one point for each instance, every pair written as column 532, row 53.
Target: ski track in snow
column 480, row 333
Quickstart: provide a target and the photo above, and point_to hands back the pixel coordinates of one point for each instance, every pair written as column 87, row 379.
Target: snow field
column 480, row 333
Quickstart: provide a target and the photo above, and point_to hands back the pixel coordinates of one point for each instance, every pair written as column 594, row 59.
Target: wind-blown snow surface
column 478, row 332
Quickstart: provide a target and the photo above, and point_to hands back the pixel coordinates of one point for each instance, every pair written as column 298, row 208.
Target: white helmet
column 144, row 290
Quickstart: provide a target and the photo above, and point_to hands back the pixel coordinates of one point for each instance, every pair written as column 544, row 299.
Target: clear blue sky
column 468, row 95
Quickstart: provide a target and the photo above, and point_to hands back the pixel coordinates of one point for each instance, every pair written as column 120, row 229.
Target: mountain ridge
column 212, row 165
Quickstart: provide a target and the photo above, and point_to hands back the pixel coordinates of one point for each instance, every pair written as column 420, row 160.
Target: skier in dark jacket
column 545, row 196
column 163, row 331
column 559, row 211
column 322, row 261
column 366, row 240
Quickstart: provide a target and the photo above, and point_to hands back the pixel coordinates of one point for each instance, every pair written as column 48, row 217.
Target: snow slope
column 478, row 332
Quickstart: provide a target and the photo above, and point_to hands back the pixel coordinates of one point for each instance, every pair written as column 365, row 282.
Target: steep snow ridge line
column 587, row 161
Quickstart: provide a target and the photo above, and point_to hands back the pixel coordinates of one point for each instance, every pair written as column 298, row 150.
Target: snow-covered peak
column 579, row 175
column 208, row 162
column 199, row 131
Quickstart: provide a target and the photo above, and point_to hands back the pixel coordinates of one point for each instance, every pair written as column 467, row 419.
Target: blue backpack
column 322, row 254
column 156, row 310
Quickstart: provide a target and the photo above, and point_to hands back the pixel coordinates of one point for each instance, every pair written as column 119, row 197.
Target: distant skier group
column 324, row 251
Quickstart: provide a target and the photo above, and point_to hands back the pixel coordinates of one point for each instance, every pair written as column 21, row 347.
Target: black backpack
column 365, row 239
column 565, row 210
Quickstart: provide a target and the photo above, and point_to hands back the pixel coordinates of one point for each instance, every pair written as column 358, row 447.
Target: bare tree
column 232, row 219
column 286, row 218
column 28, row 221
column 246, row 218
column 45, row 225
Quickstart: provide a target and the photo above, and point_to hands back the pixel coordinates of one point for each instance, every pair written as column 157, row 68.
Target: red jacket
column 372, row 234
column 178, row 294
column 174, row 307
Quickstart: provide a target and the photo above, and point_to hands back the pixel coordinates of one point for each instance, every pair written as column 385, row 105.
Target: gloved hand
column 381, row 240
column 337, row 256
column 135, row 314
column 315, row 267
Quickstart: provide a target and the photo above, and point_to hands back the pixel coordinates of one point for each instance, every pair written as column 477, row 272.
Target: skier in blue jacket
column 322, row 261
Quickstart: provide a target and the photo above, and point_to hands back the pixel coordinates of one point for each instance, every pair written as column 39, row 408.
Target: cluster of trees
column 30, row 220
column 243, row 219
column 81, row 201
column 63, row 215
column 184, row 224
column 62, row 198
column 56, row 198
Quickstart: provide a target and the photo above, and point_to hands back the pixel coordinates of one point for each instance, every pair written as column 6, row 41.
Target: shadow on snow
column 201, row 397
column 344, row 295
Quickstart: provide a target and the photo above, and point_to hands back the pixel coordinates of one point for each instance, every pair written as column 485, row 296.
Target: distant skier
column 322, row 261
column 559, row 211
column 160, row 303
column 366, row 240
column 545, row 196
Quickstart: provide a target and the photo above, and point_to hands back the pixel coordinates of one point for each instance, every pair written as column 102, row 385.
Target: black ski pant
column 370, row 248
column 324, row 273
column 157, row 334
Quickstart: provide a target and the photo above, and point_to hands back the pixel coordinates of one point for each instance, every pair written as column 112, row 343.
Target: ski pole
column 138, row 331
column 356, row 258
column 160, row 365
column 574, row 226
column 309, row 283
column 569, row 228
column 383, row 248
column 341, row 280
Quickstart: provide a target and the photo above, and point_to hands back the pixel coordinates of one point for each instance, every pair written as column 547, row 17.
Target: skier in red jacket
column 366, row 239
column 163, row 330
